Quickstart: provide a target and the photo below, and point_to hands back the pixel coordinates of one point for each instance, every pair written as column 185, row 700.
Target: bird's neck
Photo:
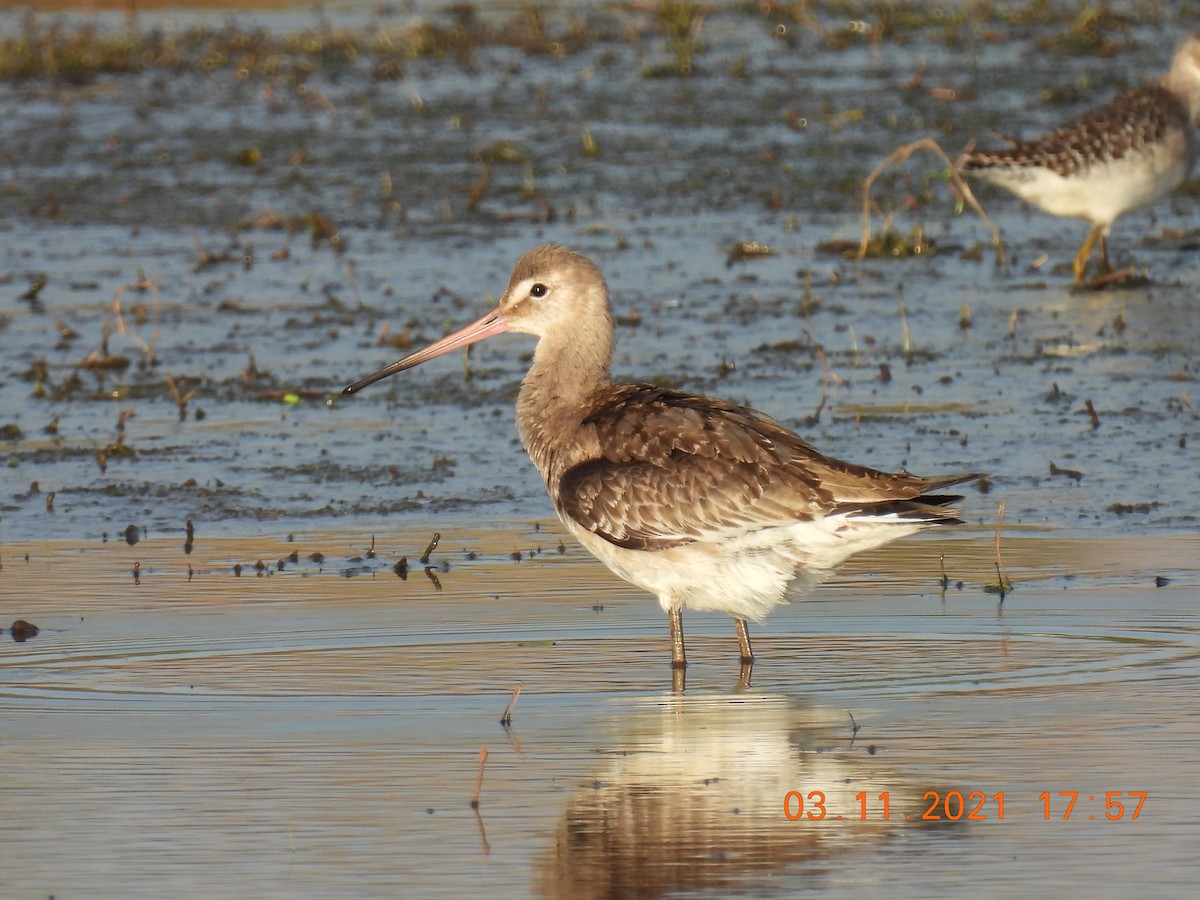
column 1182, row 82
column 557, row 395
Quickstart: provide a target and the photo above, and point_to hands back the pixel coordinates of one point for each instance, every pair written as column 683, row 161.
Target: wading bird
column 1120, row 157
column 706, row 504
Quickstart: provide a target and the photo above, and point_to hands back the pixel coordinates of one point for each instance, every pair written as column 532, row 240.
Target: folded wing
column 675, row 468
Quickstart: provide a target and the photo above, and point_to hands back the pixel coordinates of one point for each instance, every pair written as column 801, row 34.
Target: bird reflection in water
column 691, row 796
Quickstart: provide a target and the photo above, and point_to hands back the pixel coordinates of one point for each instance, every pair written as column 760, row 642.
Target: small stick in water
column 1004, row 582
column 437, row 536
column 483, row 755
column 506, row 719
column 1091, row 411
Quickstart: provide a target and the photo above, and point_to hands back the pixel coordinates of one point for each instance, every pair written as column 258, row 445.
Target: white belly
column 748, row 576
column 1102, row 191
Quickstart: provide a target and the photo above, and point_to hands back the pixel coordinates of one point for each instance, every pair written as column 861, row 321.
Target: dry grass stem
column 483, row 755
column 143, row 284
column 506, row 719
column 901, row 155
column 1186, row 399
column 1004, row 583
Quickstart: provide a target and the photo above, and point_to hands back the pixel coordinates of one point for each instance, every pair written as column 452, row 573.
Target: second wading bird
column 1117, row 158
column 704, row 503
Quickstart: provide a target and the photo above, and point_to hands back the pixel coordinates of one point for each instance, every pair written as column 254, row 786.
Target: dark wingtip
column 937, row 482
column 937, row 499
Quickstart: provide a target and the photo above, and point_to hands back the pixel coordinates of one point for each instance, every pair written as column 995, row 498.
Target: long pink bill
column 494, row 322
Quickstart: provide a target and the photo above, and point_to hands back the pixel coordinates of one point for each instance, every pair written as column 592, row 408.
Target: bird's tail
column 927, row 507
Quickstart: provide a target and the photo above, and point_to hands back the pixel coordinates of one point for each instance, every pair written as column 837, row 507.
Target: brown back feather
column 674, row 466
column 1130, row 122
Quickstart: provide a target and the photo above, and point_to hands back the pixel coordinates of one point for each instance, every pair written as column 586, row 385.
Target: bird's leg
column 1085, row 253
column 675, row 619
column 1104, row 254
column 743, row 636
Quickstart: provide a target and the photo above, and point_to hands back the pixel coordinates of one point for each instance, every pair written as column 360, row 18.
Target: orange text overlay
column 970, row 806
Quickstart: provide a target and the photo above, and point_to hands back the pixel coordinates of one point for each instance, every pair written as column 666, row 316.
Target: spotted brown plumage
column 704, row 503
column 1131, row 123
column 1120, row 157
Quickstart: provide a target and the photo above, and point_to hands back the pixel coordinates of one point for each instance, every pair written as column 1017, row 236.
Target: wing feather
column 674, row 468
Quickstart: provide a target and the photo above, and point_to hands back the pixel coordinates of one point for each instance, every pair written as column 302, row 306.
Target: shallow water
column 307, row 732
column 315, row 730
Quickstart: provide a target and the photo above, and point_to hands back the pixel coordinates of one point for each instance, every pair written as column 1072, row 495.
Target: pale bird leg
column 1085, row 253
column 743, row 641
column 675, row 619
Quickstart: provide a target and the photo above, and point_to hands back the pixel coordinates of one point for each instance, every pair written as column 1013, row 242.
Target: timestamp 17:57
column 971, row 806
column 1114, row 808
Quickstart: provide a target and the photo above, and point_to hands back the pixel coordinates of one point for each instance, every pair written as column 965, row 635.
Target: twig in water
column 907, row 335
column 816, row 416
column 506, row 719
column 1091, row 411
column 827, row 375
column 1003, row 582
column 483, row 755
column 437, row 536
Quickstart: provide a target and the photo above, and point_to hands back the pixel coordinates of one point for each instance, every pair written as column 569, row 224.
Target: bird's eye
column 539, row 290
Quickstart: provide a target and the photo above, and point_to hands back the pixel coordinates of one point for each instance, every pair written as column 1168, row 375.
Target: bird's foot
column 1100, row 282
